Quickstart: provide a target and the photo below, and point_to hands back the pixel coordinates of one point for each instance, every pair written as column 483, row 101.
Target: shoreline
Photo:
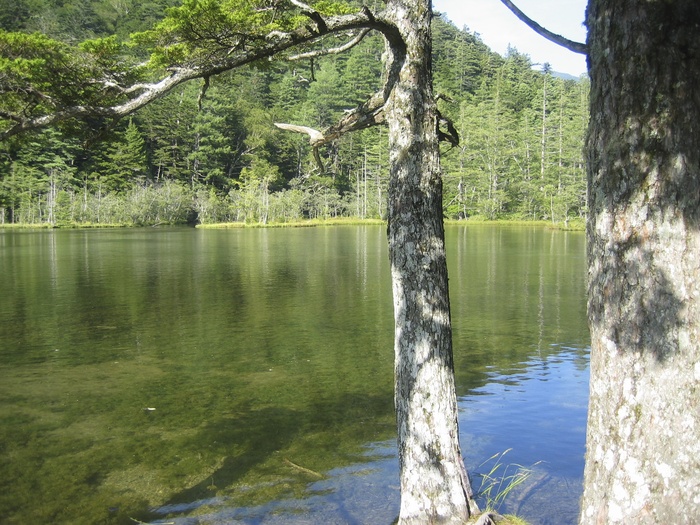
column 574, row 225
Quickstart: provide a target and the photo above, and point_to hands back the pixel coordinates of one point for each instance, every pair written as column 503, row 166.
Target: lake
column 178, row 375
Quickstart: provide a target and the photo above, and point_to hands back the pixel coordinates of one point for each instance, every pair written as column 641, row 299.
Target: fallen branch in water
column 145, row 523
column 308, row 471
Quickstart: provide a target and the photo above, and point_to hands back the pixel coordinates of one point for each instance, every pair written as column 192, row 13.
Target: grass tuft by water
column 501, row 480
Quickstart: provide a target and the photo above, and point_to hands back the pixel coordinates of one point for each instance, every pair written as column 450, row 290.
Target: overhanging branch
column 316, row 139
column 275, row 43
column 576, row 47
column 371, row 112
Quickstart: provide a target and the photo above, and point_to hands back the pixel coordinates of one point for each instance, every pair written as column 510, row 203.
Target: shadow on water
column 267, row 357
column 298, row 445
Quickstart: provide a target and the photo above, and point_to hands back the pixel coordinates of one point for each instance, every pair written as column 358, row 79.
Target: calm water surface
column 245, row 376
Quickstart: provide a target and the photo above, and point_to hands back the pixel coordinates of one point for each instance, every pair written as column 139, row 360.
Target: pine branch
column 272, row 44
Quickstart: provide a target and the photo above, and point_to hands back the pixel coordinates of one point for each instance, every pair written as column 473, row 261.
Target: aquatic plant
column 498, row 483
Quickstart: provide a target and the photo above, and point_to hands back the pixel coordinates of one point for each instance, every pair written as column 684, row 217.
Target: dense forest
column 215, row 155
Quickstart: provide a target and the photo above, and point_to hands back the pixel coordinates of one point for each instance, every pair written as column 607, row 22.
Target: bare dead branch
column 446, row 130
column 333, row 51
column 303, row 469
column 315, row 136
column 312, row 14
column 576, row 47
column 202, row 93
column 371, row 112
column 316, row 139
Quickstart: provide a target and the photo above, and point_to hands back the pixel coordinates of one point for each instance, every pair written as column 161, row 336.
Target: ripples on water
column 267, row 357
column 537, row 417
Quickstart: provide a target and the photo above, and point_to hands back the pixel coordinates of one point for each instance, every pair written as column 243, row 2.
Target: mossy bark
column 643, row 443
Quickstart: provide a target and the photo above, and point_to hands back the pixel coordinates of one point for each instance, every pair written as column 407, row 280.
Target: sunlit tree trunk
column 643, row 443
column 434, row 484
column 543, row 137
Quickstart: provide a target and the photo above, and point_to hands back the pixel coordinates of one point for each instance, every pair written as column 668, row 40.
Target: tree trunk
column 434, row 484
column 643, row 450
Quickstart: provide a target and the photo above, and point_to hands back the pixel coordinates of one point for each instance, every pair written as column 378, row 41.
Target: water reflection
column 538, row 414
column 516, row 292
column 267, row 358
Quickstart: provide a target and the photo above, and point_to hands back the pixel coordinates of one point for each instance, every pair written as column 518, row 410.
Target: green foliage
column 208, row 30
column 326, row 101
column 520, row 155
column 458, row 59
column 40, row 75
column 204, row 29
column 362, row 72
column 125, row 160
column 33, row 60
column 13, row 15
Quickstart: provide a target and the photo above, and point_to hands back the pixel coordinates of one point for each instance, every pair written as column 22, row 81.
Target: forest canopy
column 214, row 155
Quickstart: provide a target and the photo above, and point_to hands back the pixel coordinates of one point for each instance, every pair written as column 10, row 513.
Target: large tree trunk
column 434, row 484
column 643, row 450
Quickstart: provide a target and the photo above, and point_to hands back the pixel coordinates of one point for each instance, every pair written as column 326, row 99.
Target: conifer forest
column 211, row 153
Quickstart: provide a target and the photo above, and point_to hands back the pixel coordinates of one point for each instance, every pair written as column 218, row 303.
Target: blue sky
column 499, row 27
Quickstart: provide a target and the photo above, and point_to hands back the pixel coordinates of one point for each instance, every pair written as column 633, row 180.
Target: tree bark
column 643, row 442
column 434, row 483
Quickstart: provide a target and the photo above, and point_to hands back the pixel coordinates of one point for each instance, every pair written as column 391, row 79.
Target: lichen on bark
column 643, row 440
column 434, row 484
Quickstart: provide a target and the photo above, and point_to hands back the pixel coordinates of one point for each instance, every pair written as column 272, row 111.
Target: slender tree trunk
column 434, row 484
column 560, row 164
column 643, row 450
column 543, row 137
column 364, row 190
column 358, row 202
column 51, row 198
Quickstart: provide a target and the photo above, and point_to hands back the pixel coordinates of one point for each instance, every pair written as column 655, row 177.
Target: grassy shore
column 340, row 221
column 62, row 226
column 571, row 226
column 577, row 225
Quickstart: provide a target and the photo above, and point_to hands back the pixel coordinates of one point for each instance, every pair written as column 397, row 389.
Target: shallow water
column 200, row 376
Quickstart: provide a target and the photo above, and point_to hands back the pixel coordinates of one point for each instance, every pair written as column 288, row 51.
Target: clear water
column 245, row 376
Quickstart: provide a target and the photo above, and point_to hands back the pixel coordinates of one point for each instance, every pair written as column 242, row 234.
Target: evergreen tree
column 43, row 172
column 361, row 72
column 210, row 139
column 167, row 127
column 125, row 160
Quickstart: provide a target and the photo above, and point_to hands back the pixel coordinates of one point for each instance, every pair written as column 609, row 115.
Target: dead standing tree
column 204, row 38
